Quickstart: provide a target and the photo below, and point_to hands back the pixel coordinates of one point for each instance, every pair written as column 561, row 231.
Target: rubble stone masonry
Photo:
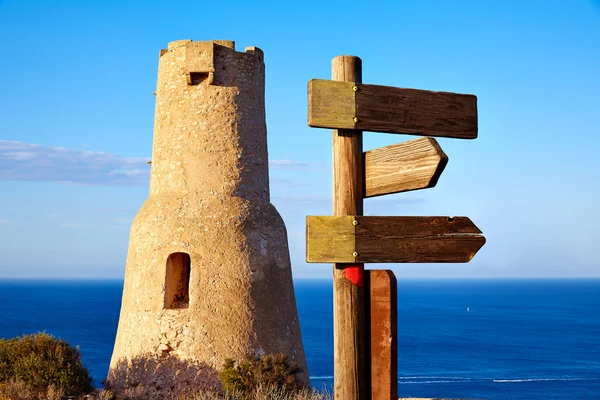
column 208, row 272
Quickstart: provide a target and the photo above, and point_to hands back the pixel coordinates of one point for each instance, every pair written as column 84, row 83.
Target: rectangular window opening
column 197, row 78
column 177, row 294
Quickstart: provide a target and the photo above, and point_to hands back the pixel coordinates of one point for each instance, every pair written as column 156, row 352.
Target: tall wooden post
column 348, row 279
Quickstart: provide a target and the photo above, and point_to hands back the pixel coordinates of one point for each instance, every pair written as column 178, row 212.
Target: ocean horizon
column 474, row 338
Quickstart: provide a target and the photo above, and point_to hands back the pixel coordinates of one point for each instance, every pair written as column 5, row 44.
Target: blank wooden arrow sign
column 412, row 165
column 348, row 105
column 360, row 239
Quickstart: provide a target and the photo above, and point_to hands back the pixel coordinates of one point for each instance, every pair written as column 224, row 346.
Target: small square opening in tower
column 177, row 294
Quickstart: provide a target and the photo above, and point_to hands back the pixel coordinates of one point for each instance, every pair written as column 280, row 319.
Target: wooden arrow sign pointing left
column 358, row 239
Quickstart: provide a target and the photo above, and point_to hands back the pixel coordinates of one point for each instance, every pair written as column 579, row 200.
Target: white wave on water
column 407, row 380
column 403, row 379
column 437, row 381
column 440, row 377
column 542, row 380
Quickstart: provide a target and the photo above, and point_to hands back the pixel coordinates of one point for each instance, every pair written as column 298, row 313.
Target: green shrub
column 274, row 371
column 42, row 363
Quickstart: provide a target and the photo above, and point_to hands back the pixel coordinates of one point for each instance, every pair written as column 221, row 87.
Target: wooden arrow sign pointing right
column 412, row 165
column 348, row 105
column 358, row 239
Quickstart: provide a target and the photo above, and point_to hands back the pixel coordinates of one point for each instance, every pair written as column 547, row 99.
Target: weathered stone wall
column 209, row 198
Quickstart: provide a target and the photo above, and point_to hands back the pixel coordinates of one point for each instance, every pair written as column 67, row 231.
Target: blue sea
column 495, row 339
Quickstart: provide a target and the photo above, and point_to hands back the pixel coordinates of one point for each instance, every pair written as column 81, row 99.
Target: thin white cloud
column 4, row 221
column 292, row 165
column 287, row 183
column 287, row 164
column 21, row 161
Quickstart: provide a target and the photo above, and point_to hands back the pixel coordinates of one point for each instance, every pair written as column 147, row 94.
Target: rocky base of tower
column 161, row 378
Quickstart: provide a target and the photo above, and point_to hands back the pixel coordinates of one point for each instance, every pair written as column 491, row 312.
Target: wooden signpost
column 365, row 309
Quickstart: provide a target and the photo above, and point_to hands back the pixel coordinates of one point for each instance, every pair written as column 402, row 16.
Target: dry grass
column 260, row 393
column 18, row 391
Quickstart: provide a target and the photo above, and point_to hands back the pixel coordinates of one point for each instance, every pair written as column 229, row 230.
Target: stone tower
column 208, row 272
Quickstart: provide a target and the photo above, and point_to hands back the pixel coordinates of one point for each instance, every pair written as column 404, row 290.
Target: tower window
column 177, row 294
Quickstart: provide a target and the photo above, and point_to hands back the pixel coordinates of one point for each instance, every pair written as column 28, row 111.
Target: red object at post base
column 355, row 273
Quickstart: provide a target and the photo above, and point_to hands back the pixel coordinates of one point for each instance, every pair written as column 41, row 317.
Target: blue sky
column 76, row 112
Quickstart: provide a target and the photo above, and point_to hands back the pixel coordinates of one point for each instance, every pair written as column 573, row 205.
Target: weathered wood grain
column 382, row 313
column 404, row 240
column 327, row 238
column 350, row 365
column 392, row 110
column 412, row 165
column 416, row 239
column 331, row 105
column 417, row 112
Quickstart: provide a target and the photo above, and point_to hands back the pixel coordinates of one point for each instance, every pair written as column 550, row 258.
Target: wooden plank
column 328, row 238
column 405, row 240
column 331, row 105
column 412, row 165
column 382, row 312
column 392, row 110
column 417, row 112
column 349, row 361
column 416, row 239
